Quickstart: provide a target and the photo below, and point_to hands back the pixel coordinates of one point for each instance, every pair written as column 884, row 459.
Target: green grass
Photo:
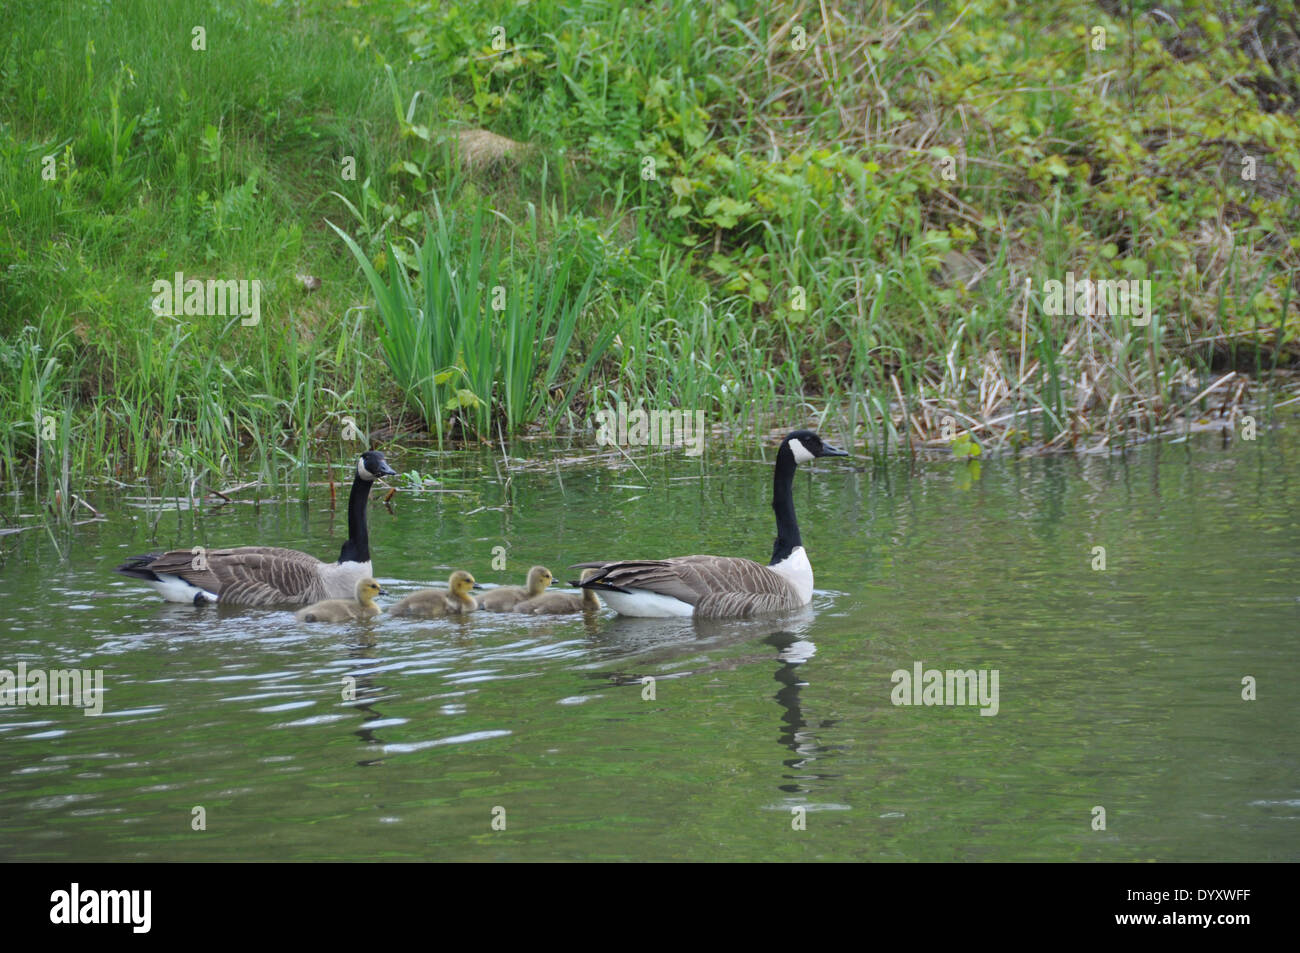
column 837, row 231
column 468, row 340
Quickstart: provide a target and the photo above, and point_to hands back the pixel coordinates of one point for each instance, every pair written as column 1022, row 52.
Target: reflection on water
column 609, row 738
column 796, row 733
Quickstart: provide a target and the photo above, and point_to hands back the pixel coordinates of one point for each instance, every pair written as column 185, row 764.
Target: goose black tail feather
column 594, row 582
column 138, row 567
column 598, row 586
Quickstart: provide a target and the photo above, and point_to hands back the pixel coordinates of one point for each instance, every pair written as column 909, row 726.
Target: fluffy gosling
column 434, row 603
column 507, row 597
column 559, row 603
column 345, row 610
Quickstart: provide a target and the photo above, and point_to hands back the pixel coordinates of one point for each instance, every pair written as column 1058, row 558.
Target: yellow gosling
column 456, row 599
column 559, row 603
column 346, row 610
column 507, row 597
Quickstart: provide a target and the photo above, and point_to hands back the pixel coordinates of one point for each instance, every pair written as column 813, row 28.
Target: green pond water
column 1118, row 688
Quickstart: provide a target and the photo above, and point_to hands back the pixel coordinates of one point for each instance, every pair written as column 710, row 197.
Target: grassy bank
column 546, row 208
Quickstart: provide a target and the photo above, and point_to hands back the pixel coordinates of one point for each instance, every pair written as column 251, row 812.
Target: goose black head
column 806, row 445
column 372, row 465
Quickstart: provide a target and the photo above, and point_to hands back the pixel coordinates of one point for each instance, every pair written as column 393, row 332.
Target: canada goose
column 428, row 603
column 507, row 597
column 344, row 610
column 267, row 575
column 721, row 586
column 557, row 603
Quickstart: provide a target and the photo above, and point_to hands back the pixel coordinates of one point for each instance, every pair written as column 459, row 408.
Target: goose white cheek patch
column 801, row 454
column 362, row 471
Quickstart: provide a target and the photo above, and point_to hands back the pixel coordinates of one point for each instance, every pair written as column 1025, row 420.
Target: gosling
column 435, row 603
column 507, row 597
column 559, row 603
column 344, row 610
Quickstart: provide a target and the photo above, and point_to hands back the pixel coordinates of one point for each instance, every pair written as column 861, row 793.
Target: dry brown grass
column 480, row 150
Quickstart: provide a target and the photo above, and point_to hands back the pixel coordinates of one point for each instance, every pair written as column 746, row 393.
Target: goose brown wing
column 247, row 575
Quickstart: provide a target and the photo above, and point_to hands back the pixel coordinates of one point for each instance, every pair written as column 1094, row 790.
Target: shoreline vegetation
column 972, row 228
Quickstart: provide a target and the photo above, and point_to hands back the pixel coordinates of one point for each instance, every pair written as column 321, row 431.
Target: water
column 1118, row 689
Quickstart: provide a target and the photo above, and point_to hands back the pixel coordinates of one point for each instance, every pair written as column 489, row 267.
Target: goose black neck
column 787, row 527
column 357, row 547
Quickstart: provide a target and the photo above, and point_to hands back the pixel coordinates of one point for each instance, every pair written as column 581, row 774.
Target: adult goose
column 456, row 599
column 712, row 587
column 346, row 610
column 268, row 575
